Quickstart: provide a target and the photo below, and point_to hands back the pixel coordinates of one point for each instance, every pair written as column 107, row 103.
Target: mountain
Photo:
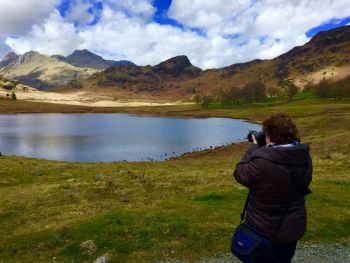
column 141, row 79
column 8, row 59
column 41, row 71
column 326, row 55
column 45, row 72
column 86, row 59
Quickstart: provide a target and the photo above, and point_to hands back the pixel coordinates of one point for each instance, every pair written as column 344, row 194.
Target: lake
column 114, row 137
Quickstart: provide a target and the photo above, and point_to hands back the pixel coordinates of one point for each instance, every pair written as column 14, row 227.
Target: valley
column 183, row 209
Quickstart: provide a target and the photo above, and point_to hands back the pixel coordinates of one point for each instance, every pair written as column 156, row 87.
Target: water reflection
column 112, row 137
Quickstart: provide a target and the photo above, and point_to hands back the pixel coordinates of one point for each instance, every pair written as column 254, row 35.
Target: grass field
column 184, row 208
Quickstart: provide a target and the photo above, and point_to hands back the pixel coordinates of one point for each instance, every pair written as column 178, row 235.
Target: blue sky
column 211, row 33
column 333, row 23
column 161, row 17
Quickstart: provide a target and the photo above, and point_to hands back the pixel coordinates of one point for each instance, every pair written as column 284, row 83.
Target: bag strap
column 243, row 214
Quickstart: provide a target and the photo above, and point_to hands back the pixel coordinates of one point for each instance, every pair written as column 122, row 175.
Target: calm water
column 113, row 137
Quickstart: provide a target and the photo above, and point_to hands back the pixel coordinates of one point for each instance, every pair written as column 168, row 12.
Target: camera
column 259, row 136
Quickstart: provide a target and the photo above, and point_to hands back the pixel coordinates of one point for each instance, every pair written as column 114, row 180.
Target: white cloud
column 135, row 8
column 55, row 36
column 3, row 47
column 283, row 23
column 240, row 31
column 17, row 17
column 78, row 12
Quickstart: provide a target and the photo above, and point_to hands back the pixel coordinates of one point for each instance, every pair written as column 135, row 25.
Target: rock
column 100, row 176
column 102, row 259
column 71, row 180
column 88, row 247
column 38, row 173
column 124, row 172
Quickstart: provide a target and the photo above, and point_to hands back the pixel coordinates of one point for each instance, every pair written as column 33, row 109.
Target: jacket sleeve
column 248, row 171
column 308, row 178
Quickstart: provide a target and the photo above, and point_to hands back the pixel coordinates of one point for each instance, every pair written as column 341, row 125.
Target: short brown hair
column 281, row 128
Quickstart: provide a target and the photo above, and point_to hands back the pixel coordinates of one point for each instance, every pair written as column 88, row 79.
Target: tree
column 345, row 91
column 289, row 86
column 13, row 95
column 309, row 87
column 254, row 90
column 323, row 90
column 197, row 98
column 233, row 95
column 206, row 101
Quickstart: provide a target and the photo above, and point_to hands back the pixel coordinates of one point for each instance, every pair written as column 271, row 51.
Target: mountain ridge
column 44, row 72
column 86, row 59
column 326, row 55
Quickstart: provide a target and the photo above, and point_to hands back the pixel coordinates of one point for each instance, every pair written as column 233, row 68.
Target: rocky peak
column 8, row 59
column 85, row 58
column 83, row 52
column 179, row 61
column 176, row 66
column 26, row 57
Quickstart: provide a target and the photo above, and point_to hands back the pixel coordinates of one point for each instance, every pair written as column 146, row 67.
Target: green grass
column 272, row 101
column 185, row 208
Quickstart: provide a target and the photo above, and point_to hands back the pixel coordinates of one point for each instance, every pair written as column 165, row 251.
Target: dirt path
column 306, row 253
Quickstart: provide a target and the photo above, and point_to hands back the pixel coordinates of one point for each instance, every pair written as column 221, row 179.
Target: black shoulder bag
column 246, row 240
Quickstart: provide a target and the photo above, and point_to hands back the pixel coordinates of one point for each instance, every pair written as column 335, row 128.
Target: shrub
column 13, row 95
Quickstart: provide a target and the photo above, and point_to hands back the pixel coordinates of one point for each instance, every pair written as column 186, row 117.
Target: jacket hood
column 294, row 155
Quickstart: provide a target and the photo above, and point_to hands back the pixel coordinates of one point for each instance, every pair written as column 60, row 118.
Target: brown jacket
column 265, row 171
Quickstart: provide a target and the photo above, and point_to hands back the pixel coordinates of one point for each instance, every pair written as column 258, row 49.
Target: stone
column 100, row 176
column 124, row 172
column 71, row 180
column 38, row 173
column 102, row 259
column 88, row 247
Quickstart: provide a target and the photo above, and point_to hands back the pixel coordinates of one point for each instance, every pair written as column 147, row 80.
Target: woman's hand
column 254, row 139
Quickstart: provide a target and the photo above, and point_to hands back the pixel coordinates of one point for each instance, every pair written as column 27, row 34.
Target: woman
column 277, row 176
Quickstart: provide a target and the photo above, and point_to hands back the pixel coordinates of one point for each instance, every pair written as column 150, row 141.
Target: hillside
column 44, row 72
column 325, row 56
column 41, row 71
column 9, row 85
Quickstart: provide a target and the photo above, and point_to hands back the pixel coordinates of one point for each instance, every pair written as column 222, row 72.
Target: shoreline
column 8, row 107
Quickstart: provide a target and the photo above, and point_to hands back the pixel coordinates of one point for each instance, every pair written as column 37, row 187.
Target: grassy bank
column 184, row 208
